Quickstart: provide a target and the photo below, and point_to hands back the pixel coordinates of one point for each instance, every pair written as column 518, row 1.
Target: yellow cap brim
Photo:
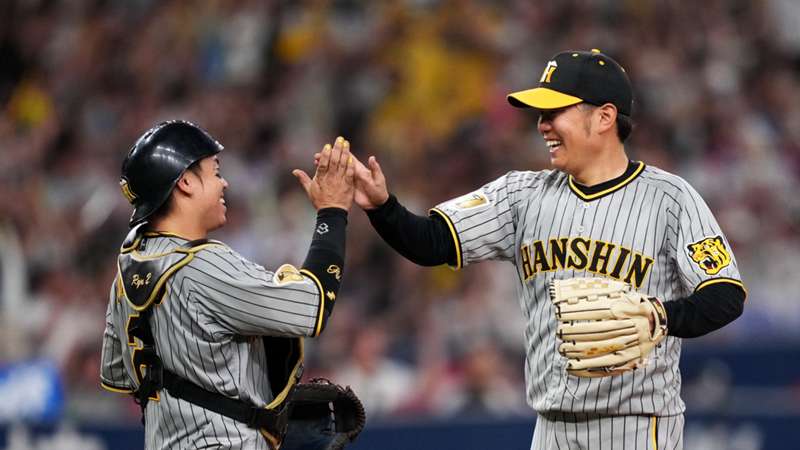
column 541, row 98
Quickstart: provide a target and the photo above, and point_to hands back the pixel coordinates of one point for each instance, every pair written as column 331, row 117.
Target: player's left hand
column 606, row 327
column 325, row 416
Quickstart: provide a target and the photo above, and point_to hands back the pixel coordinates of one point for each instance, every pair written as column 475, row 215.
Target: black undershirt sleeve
column 427, row 241
column 325, row 258
column 706, row 310
column 423, row 240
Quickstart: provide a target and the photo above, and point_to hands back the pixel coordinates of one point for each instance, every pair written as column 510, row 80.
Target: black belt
column 274, row 421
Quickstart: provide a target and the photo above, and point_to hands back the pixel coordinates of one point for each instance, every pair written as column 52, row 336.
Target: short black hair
column 624, row 122
column 624, row 126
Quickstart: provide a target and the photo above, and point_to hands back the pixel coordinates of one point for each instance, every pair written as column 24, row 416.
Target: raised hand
column 333, row 184
column 371, row 191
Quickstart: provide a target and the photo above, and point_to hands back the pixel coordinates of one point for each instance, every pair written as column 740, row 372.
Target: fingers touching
column 333, row 183
column 342, row 178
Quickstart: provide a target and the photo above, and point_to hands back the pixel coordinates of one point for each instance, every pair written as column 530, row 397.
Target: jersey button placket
column 580, row 228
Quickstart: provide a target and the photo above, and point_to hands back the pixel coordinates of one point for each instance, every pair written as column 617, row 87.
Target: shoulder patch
column 287, row 274
column 473, row 200
column 710, row 254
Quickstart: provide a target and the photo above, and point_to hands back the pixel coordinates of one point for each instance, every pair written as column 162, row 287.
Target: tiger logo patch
column 710, row 254
column 287, row 274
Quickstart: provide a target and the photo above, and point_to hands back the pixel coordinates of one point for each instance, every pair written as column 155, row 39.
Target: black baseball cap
column 573, row 77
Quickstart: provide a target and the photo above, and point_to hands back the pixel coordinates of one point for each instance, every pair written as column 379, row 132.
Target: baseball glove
column 606, row 327
column 325, row 416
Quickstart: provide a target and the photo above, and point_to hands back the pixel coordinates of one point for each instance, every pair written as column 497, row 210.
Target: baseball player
column 601, row 217
column 209, row 343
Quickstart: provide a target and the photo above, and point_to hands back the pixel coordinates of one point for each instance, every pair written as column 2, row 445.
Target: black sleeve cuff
column 385, row 210
column 325, row 259
column 707, row 309
column 423, row 240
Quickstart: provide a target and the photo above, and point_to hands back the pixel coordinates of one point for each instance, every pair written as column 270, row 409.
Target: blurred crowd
column 421, row 84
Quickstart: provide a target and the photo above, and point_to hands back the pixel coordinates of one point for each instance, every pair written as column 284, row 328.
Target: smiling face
column 568, row 134
column 209, row 200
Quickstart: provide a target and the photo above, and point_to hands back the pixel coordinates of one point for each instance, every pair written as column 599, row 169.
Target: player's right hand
column 333, row 185
column 371, row 191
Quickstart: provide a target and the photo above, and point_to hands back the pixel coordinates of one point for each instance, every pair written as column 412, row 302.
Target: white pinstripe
column 575, row 431
column 654, row 215
column 207, row 330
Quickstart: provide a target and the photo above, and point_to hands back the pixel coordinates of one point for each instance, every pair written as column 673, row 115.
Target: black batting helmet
column 156, row 162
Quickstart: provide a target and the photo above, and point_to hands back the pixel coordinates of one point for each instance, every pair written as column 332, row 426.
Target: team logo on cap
column 126, row 190
column 548, row 72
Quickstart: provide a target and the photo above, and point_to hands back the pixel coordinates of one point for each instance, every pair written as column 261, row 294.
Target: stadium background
column 436, row 355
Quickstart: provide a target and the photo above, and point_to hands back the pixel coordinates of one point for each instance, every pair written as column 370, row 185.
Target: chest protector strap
column 142, row 281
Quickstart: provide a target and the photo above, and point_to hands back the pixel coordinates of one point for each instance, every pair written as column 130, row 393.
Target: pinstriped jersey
column 207, row 329
column 649, row 228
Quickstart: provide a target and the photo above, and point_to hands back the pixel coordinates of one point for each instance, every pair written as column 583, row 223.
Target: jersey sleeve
column 113, row 376
column 482, row 223
column 241, row 297
column 704, row 255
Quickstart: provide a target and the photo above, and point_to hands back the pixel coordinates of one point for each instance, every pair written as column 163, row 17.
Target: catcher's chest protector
column 142, row 280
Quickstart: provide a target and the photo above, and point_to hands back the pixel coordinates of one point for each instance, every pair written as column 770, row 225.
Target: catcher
column 210, row 344
column 616, row 261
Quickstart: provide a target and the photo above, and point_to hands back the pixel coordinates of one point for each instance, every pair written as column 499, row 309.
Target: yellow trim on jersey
column 617, row 187
column 115, row 390
column 654, row 423
column 456, row 242
column 722, row 280
column 321, row 312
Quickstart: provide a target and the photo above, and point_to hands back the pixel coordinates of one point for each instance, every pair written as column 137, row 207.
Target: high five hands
column 370, row 183
column 341, row 178
column 333, row 185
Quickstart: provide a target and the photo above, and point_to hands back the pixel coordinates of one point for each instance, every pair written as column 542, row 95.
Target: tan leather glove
column 606, row 327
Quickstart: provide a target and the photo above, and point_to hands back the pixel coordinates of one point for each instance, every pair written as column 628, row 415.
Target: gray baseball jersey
column 207, row 330
column 650, row 228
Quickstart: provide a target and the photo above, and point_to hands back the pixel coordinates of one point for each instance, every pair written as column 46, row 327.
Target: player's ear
column 186, row 183
column 606, row 117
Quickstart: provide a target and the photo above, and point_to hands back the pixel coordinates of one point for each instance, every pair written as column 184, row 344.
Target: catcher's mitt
column 325, row 416
column 606, row 327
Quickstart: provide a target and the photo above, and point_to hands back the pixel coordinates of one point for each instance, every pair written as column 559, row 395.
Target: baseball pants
column 580, row 431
